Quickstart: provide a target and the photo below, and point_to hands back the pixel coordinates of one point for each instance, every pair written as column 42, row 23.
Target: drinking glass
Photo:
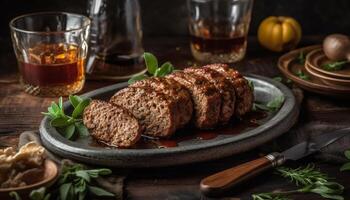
column 51, row 50
column 219, row 29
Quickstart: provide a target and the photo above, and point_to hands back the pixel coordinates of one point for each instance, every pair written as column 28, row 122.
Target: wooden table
column 20, row 112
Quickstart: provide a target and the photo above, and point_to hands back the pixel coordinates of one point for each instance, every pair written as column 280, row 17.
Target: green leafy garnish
column 310, row 180
column 302, row 75
column 76, row 182
column 69, row 126
column 346, row 166
column 270, row 106
column 301, row 58
column 278, row 78
column 153, row 68
column 38, row 194
column 251, row 85
column 334, row 66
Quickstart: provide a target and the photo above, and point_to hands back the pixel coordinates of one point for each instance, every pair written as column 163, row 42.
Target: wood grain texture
column 19, row 112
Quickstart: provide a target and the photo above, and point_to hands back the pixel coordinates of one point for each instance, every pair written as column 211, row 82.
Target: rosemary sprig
column 310, row 180
column 153, row 68
column 334, row 66
column 302, row 75
column 69, row 126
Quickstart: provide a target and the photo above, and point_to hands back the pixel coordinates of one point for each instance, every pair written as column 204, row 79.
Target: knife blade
column 221, row 181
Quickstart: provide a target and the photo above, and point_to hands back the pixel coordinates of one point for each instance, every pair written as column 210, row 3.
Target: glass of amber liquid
column 219, row 29
column 51, row 49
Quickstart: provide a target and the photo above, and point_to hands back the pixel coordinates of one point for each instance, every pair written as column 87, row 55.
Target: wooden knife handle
column 223, row 180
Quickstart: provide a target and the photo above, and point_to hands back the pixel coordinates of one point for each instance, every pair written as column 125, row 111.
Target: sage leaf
column 278, row 78
column 345, row 167
column 65, row 191
column 137, row 78
column 347, row 154
column 60, row 103
column 165, row 69
column 84, row 175
column 151, row 62
column 69, row 131
column 59, row 122
column 100, row 192
column 38, row 194
column 96, row 172
column 78, row 111
column 275, row 104
column 81, row 128
column 75, row 100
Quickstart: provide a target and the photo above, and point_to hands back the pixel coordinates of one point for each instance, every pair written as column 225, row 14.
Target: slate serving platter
column 186, row 152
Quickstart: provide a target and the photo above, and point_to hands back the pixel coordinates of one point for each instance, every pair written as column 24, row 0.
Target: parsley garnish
column 334, row 66
column 270, row 106
column 302, row 75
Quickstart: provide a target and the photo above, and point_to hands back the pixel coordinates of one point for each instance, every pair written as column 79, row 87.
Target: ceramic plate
column 191, row 150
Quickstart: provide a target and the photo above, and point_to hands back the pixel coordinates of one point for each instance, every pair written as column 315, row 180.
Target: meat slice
column 244, row 93
column 175, row 91
column 111, row 124
column 205, row 97
column 154, row 110
column 228, row 96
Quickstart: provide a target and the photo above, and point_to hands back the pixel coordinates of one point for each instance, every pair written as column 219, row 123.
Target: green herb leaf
column 345, row 167
column 165, row 69
column 84, row 175
column 276, row 103
column 347, row 154
column 301, row 58
column 65, row 191
column 38, row 194
column 334, row 66
column 137, row 78
column 269, row 196
column 15, row 195
column 251, row 85
column 302, row 75
column 78, row 111
column 100, row 192
column 278, row 78
column 60, row 103
column 60, row 122
column 75, row 100
column 81, row 128
column 151, row 62
column 69, row 131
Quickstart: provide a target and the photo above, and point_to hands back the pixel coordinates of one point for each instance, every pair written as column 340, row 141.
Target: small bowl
column 327, row 79
column 50, row 175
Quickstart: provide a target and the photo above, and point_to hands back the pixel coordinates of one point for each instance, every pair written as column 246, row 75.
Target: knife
column 228, row 178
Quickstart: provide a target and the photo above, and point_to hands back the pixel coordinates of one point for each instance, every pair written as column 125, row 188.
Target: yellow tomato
column 279, row 33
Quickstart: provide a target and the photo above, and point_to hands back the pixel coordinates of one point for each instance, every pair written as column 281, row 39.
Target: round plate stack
column 306, row 67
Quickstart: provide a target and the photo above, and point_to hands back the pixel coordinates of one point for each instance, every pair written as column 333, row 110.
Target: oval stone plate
column 189, row 151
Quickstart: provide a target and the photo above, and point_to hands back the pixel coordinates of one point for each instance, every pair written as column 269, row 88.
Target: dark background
column 169, row 17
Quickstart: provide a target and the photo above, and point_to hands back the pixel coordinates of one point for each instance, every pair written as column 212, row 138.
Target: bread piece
column 205, row 97
column 111, row 124
column 227, row 92
column 175, row 91
column 155, row 112
column 244, row 93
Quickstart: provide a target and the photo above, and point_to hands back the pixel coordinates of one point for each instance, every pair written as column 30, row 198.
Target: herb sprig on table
column 153, row 68
column 334, row 66
column 69, row 126
column 310, row 180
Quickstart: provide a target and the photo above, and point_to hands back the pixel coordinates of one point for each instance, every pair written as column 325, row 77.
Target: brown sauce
column 235, row 127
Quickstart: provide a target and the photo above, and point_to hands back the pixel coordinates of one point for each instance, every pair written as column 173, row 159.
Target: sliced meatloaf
column 205, row 97
column 225, row 88
column 155, row 112
column 244, row 93
column 111, row 124
column 174, row 90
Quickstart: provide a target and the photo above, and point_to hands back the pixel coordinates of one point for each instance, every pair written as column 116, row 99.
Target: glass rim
column 14, row 28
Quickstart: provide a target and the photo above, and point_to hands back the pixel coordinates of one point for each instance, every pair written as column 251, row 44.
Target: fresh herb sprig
column 270, row 106
column 301, row 58
column 346, row 166
column 38, row 194
column 310, row 180
column 76, row 182
column 302, row 75
column 334, row 66
column 69, row 126
column 153, row 68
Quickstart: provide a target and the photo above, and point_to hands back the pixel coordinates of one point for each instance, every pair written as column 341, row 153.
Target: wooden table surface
column 20, row 111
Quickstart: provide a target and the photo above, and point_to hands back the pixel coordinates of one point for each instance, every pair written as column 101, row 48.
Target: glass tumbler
column 219, row 29
column 51, row 49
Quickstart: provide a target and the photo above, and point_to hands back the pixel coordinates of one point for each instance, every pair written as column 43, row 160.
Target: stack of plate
column 311, row 75
column 315, row 61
